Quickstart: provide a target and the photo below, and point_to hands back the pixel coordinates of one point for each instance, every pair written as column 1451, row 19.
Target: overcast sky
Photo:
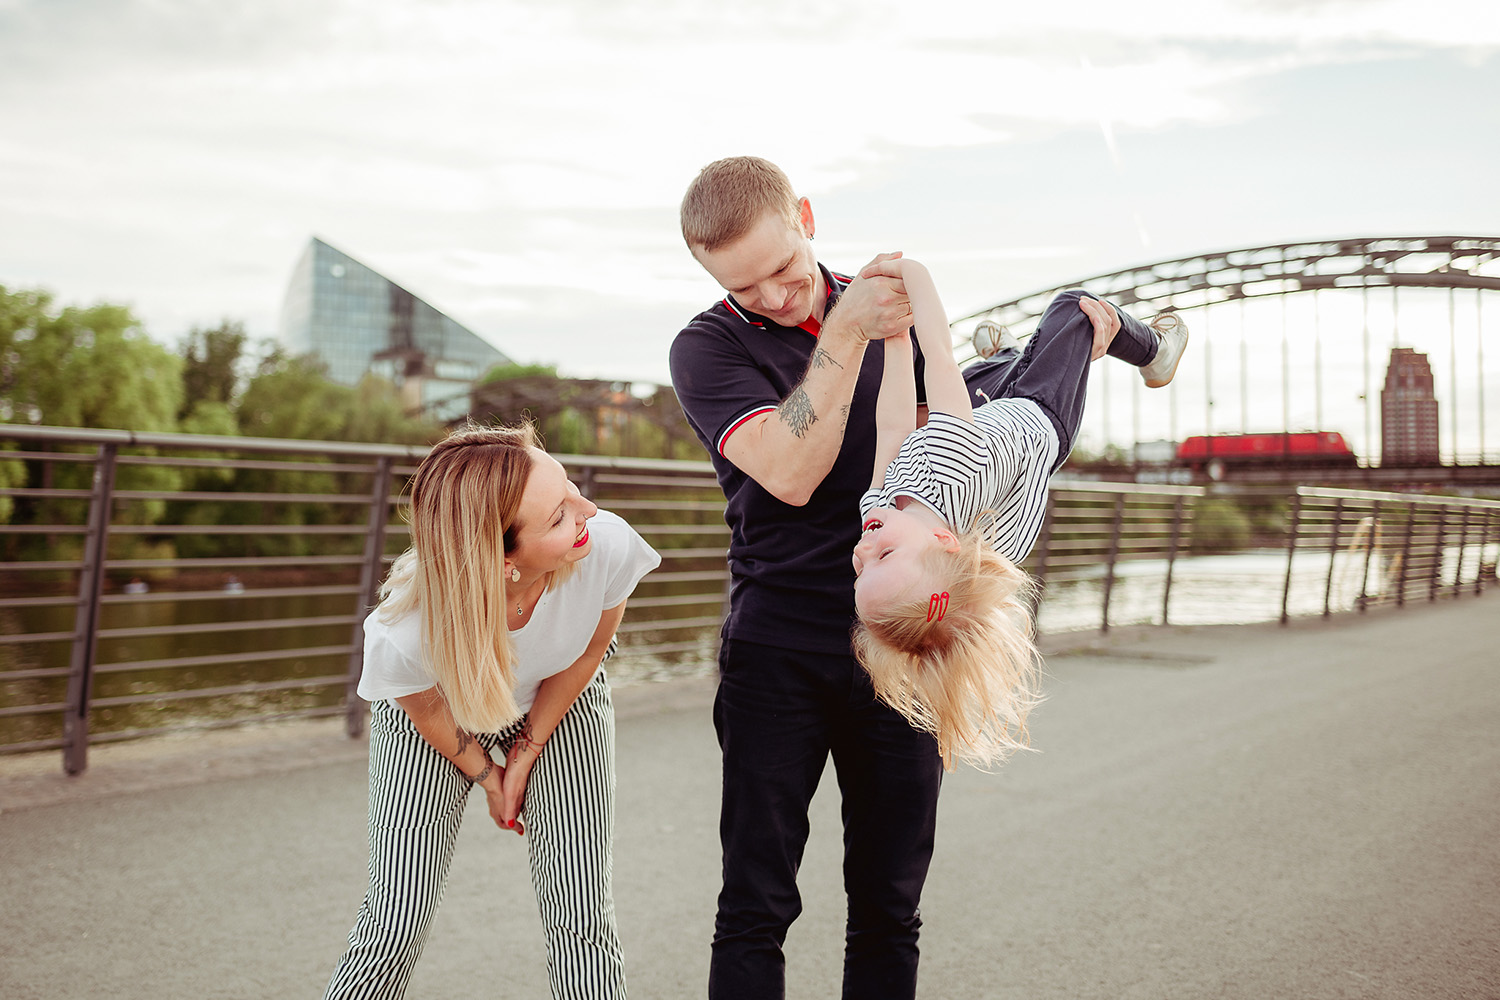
column 518, row 163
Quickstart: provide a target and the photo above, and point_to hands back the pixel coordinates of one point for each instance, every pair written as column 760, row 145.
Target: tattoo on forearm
column 822, row 359
column 464, row 739
column 797, row 412
column 844, row 415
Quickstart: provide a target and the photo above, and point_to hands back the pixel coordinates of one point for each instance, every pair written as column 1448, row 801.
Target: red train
column 1323, row 449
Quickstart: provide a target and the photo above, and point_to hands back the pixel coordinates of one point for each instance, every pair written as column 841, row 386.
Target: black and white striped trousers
column 416, row 804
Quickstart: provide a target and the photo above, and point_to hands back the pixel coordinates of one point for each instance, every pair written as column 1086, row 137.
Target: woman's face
column 552, row 520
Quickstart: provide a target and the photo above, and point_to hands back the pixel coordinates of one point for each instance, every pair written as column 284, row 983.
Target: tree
column 212, row 363
column 84, row 367
column 90, row 367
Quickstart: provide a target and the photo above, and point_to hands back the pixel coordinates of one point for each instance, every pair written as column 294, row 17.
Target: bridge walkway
column 1246, row 811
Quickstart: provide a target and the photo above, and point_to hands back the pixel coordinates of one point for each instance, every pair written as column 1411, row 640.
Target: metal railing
column 157, row 582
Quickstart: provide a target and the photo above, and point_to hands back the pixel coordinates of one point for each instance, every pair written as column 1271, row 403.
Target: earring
column 515, row 575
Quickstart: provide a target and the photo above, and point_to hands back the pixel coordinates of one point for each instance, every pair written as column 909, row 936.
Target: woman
column 489, row 636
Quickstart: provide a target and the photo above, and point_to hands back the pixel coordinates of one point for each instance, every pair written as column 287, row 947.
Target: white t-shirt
column 1000, row 463
column 556, row 635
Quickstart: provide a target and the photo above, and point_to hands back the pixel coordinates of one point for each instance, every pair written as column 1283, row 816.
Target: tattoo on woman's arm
column 797, row 412
column 464, row 739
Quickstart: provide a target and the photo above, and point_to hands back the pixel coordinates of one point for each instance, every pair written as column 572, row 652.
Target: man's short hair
column 729, row 196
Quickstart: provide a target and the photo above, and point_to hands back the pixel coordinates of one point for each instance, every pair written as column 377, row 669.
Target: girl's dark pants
column 1052, row 370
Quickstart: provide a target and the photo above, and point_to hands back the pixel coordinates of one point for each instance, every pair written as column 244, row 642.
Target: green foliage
column 211, row 363
column 501, row 373
column 92, row 367
column 292, row 398
column 1219, row 525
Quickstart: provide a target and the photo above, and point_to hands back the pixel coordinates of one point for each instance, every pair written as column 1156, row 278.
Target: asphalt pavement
column 1232, row 811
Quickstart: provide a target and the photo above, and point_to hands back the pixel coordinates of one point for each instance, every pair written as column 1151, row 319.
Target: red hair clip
column 937, row 606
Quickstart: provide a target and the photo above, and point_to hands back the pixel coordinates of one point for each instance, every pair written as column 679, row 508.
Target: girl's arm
column 429, row 712
column 896, row 406
column 553, row 699
column 946, row 391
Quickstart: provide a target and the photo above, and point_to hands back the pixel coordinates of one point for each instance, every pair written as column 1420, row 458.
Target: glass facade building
column 356, row 320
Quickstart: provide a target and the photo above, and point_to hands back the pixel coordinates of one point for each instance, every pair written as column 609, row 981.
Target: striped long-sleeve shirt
column 992, row 472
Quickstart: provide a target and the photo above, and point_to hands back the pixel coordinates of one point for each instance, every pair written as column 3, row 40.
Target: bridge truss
column 1201, row 286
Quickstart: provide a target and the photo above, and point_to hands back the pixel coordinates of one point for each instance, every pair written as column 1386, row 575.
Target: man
column 781, row 388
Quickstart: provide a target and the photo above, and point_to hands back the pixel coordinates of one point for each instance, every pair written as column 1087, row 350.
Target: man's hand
column 1106, row 324
column 874, row 306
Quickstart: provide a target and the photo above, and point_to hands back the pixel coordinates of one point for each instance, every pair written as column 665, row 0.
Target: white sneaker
column 990, row 338
column 1173, row 334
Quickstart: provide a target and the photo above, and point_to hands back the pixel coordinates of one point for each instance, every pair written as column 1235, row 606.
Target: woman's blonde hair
column 464, row 500
column 729, row 196
column 969, row 674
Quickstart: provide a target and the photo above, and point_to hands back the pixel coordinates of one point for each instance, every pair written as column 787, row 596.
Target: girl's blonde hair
column 728, row 198
column 969, row 675
column 464, row 499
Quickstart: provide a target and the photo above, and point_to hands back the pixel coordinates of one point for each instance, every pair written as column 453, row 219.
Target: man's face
column 770, row 270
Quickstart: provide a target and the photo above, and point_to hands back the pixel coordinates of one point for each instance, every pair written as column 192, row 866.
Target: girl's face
column 552, row 520
column 889, row 561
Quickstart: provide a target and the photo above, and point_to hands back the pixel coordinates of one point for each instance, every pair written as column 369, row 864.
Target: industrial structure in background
column 358, row 322
column 1408, row 411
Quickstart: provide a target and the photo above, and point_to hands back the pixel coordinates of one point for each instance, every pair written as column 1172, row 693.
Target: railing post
column 1114, row 554
column 1364, row 580
column 1291, row 552
column 86, row 618
column 1484, row 542
column 1463, row 544
column 1178, row 509
column 1043, row 549
column 1435, row 576
column 369, row 590
column 1333, row 554
column 1411, row 527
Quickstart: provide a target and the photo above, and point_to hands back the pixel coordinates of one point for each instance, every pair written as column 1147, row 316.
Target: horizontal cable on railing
column 705, row 621
column 252, row 465
column 259, row 656
column 217, row 692
column 210, row 628
column 12, row 640
column 237, row 561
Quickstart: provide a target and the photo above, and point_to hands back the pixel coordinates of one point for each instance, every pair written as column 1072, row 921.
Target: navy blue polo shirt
column 791, row 568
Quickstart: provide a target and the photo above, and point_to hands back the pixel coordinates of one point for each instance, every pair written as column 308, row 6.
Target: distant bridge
column 1427, row 292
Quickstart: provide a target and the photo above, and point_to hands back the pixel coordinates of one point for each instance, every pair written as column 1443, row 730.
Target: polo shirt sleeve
column 718, row 384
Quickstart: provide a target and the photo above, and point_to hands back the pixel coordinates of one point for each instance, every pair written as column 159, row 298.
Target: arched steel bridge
column 1201, row 286
column 1279, row 269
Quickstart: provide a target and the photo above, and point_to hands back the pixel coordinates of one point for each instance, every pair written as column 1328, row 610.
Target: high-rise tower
column 1408, row 411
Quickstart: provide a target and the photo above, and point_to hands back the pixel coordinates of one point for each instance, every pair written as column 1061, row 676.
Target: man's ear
column 806, row 215
column 947, row 539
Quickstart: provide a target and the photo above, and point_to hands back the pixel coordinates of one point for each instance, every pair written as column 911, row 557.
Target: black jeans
column 779, row 713
column 1053, row 369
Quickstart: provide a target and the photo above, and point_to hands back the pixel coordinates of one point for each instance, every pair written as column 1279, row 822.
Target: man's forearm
column 790, row 451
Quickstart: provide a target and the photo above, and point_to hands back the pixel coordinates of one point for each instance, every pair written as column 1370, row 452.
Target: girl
column 944, row 625
column 490, row 636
